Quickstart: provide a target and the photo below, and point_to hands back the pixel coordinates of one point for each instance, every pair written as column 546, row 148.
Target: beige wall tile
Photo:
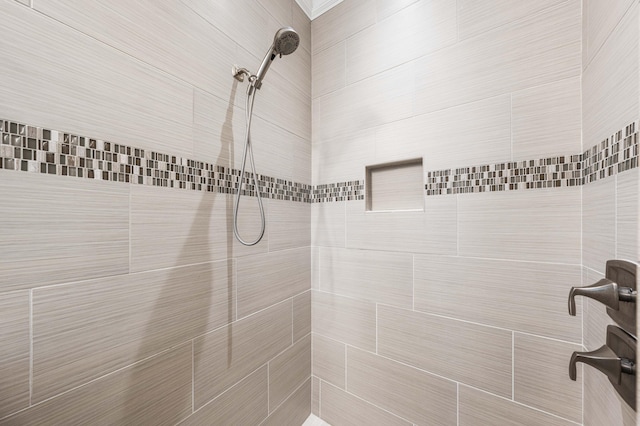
column 280, row 9
column 328, row 224
column 315, row 268
column 329, row 360
column 295, row 410
column 52, row 221
column 125, row 102
column 431, row 231
column 344, row 319
column 14, row 351
column 478, row 408
column 329, row 70
column 271, row 278
column 301, row 315
column 315, row 396
column 343, row 157
column 386, row 8
column 601, row 20
column 469, row 353
column 407, row 392
column 541, row 377
column 381, row 99
column 541, row 49
column 610, row 84
column 289, row 225
column 302, row 24
column 84, row 330
column 627, row 213
column 522, row 296
column 340, row 22
column 417, row 30
column 246, row 403
column 471, row 134
column 477, row 17
column 382, row 277
column 156, row 391
column 288, row 371
column 599, row 223
column 602, row 404
column 540, row 225
column 341, row 408
column 224, row 356
column 547, row 120
column 190, row 40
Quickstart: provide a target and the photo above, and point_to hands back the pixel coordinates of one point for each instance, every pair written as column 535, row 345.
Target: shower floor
column 315, row 421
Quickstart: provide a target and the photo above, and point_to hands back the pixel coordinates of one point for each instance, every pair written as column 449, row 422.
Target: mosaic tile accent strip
column 40, row 150
column 614, row 155
column 341, row 191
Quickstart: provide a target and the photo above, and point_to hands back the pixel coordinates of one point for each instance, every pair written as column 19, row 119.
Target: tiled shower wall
column 610, row 218
column 132, row 303
column 457, row 314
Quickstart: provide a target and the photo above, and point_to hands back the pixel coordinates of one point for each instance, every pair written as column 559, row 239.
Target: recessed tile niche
column 395, row 186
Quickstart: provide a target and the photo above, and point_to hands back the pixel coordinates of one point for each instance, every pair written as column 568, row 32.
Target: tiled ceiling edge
column 315, row 8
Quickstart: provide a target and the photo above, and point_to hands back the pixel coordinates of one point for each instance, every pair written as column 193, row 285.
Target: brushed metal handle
column 605, row 360
column 604, row 291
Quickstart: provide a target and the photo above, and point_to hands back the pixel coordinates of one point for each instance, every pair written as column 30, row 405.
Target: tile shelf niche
column 396, row 186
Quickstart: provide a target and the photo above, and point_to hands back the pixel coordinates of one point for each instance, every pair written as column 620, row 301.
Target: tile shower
column 124, row 296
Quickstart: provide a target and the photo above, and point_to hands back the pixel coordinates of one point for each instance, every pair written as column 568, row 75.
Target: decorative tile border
column 40, row 150
column 614, row 155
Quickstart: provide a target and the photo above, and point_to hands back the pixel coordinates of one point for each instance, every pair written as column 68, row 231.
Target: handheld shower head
column 285, row 42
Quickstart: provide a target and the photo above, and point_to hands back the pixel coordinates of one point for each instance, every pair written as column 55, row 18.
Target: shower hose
column 248, row 150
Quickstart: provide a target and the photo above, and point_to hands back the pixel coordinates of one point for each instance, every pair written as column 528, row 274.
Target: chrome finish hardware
column 617, row 292
column 616, row 359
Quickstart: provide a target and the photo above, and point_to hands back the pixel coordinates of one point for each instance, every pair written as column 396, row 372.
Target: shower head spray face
column 285, row 42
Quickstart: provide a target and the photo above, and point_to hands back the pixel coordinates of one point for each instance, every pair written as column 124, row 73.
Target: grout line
column 308, row 379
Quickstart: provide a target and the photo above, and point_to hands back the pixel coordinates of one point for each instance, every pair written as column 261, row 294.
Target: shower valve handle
column 604, row 291
column 605, row 360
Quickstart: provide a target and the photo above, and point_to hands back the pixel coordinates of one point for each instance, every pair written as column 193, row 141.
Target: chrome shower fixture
column 285, row 42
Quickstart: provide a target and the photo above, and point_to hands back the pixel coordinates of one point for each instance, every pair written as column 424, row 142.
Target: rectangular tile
column 340, row 22
column 328, row 224
column 82, row 233
column 136, row 101
column 156, row 391
column 627, row 213
column 610, row 87
column 224, row 356
column 523, row 296
column 244, row 404
column 601, row 19
column 541, row 225
column 386, row 8
column 288, row 371
column 541, row 379
column 375, row 276
column 329, row 360
column 329, row 70
column 470, row 134
column 315, row 396
column 407, row 392
column 344, row 319
column 301, row 315
column 289, row 225
column 538, row 50
column 87, row 329
column 270, row 278
column 602, row 404
column 469, row 353
column 340, row 408
column 14, row 352
column 295, row 410
column 478, row 408
column 547, row 120
column 598, row 223
column 477, row 17
column 415, row 31
column 343, row 157
column 431, row 231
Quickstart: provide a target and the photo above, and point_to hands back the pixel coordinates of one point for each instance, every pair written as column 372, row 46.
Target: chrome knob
column 605, row 360
column 604, row 291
